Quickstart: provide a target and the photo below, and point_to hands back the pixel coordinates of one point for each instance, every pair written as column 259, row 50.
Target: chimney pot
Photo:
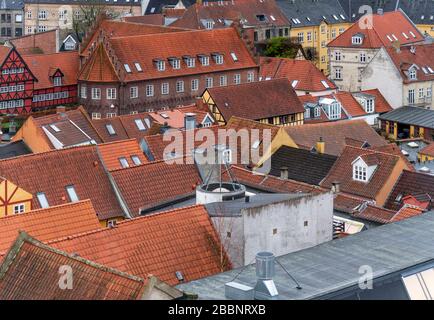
column 336, row 187
column 284, row 173
column 320, row 146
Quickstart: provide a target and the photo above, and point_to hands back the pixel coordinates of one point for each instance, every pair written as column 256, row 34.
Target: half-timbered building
column 16, row 83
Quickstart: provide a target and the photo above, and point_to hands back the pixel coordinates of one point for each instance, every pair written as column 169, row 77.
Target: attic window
column 55, row 128
column 360, row 173
column 57, row 81
column 218, row 58
column 273, row 18
column 138, row 67
column 357, row 40
column 405, row 35
column 369, row 106
column 424, row 70
column 110, row 129
column 127, row 68
column 136, row 160
column 412, row 34
column 260, row 17
column 124, row 162
column 42, row 198
column 161, row 65
column 325, row 84
column 204, row 60
column 72, row 194
column 234, row 56
column 412, row 74
column 294, row 83
column 176, row 63
column 140, row 125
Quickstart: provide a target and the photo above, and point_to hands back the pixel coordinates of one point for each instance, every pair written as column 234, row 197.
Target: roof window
column 138, row 67
column 72, row 194
column 110, row 129
column 127, row 68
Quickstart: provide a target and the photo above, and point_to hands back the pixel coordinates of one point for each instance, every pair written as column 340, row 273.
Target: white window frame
column 180, row 86
column 195, row 85
column 134, row 92
column 149, row 90
column 111, row 93
column 21, row 208
column 237, row 78
column 360, row 173
column 96, row 93
column 165, row 88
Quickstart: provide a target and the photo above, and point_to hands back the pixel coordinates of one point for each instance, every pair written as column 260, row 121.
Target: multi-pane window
column 357, row 40
column 223, row 81
column 83, row 91
column 333, row 33
column 309, row 36
column 209, row 82
column 300, row 37
column 370, row 106
column 317, row 112
column 363, row 57
column 190, row 62
column 96, row 115
column 360, row 173
column 42, row 28
column 421, row 93
column 237, row 78
column 204, row 60
column 179, row 86
column 42, row 14
column 338, row 73
column 428, row 92
column 250, row 76
column 176, row 63
column 19, row 208
column 338, row 56
column 96, row 94
column 57, row 81
column 161, row 65
column 150, row 90
column 194, row 84
column 411, row 96
column 111, row 93
column 134, row 92
column 63, row 14
column 412, row 74
column 165, row 88
column 29, row 14
column 218, row 59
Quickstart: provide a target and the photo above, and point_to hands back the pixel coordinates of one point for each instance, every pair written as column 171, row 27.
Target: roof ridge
column 150, row 163
column 126, row 221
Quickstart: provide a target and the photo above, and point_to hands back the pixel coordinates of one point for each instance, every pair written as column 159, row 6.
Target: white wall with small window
column 19, row 208
column 361, row 171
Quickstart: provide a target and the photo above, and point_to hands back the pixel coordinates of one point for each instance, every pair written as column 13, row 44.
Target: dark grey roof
column 234, row 207
column 411, row 116
column 156, row 6
column 305, row 10
column 420, row 11
column 11, row 4
column 13, row 149
column 303, row 165
column 86, row 2
column 334, row 266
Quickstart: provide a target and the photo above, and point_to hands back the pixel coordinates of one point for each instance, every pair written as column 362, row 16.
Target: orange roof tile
column 4, row 52
column 40, row 64
column 149, row 185
column 309, row 77
column 181, row 240
column 428, row 150
column 113, row 151
column 31, row 272
column 377, row 35
column 407, row 212
column 99, row 68
column 50, row 223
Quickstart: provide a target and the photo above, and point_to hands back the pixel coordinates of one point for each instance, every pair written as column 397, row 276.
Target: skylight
column 308, row 19
column 164, row 115
column 124, row 162
column 273, row 18
column 430, row 70
column 424, row 70
column 234, row 56
column 256, row 144
column 412, row 34
column 140, row 125
column 325, row 84
column 72, row 194
column 110, row 129
column 136, row 160
column 342, row 16
column 336, row 17
column 138, row 67
column 390, row 39
column 394, row 37
column 42, row 198
column 420, row 286
column 294, row 83
column 405, row 35
column 127, row 68
column 54, row 127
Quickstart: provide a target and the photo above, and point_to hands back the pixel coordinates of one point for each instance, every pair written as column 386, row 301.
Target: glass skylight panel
column 42, row 198
column 390, row 39
column 138, row 67
column 394, row 37
column 136, row 160
column 405, row 35
column 124, row 162
column 420, row 286
column 430, row 70
column 412, row 34
column 72, row 194
column 127, row 68
column 342, row 16
column 256, row 144
column 308, row 19
column 140, row 125
column 294, row 83
column 234, row 56
column 54, row 127
column 273, row 18
column 335, row 16
column 164, row 115
column 424, row 70
column 325, row 84
column 110, row 129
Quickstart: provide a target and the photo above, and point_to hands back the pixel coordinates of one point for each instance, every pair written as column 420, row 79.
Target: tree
column 281, row 47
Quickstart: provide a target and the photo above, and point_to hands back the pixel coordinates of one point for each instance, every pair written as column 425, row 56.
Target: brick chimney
column 320, row 146
column 284, row 173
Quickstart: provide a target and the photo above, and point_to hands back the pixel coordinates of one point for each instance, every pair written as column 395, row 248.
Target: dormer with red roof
column 356, row 47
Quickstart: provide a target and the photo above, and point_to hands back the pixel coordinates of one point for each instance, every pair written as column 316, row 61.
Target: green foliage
column 281, row 48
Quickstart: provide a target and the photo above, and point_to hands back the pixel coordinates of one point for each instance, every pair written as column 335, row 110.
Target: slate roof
column 335, row 265
column 381, row 33
column 410, row 183
column 161, row 244
column 150, row 184
column 14, row 149
column 257, row 100
column 411, row 116
column 303, row 165
column 428, row 150
column 74, row 2
column 31, row 272
column 334, row 135
column 112, row 152
column 51, row 172
column 342, row 172
column 157, row 6
column 314, row 10
column 50, row 223
column 307, row 75
column 11, row 4
column 40, row 64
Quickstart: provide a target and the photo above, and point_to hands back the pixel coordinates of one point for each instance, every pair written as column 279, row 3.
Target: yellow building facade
column 13, row 200
column 426, row 29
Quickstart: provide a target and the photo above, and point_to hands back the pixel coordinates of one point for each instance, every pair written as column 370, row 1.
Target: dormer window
column 175, row 62
column 204, row 60
column 357, row 40
column 360, row 173
column 412, row 74
column 190, row 62
column 209, row 24
column 218, row 58
column 161, row 65
column 370, row 106
column 57, row 81
column 363, row 172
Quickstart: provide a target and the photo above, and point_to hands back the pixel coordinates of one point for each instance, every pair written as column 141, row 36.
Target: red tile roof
column 50, row 223
column 423, row 58
column 99, row 67
column 309, row 77
column 51, row 172
column 175, row 118
column 31, row 272
column 233, row 10
column 334, row 135
column 342, row 171
column 113, row 151
column 375, row 214
column 41, row 64
column 376, row 34
column 428, row 150
column 141, row 49
column 149, row 185
column 41, row 42
column 152, row 19
column 4, row 52
column 407, row 212
column 257, row 100
column 392, row 148
column 181, row 240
